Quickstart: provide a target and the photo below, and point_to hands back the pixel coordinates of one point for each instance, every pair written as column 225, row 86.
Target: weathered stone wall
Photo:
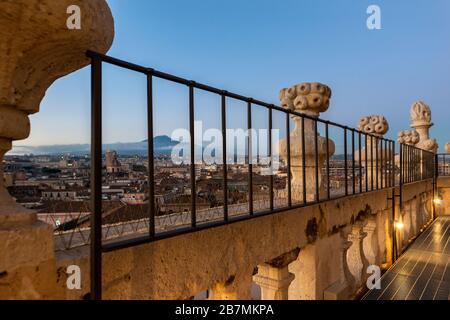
column 181, row 267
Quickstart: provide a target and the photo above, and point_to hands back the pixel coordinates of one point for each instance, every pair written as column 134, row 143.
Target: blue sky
column 255, row 48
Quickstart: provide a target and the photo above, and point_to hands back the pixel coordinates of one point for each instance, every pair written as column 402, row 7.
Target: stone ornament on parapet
column 447, row 147
column 421, row 121
column 309, row 99
column 408, row 137
column 375, row 125
column 306, row 98
column 38, row 49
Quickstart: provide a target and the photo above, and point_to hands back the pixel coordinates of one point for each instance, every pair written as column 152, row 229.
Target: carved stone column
column 356, row 259
column 342, row 289
column 274, row 277
column 310, row 99
column 370, row 243
column 36, row 48
column 377, row 126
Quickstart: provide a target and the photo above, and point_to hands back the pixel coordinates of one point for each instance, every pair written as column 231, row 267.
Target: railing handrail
column 205, row 87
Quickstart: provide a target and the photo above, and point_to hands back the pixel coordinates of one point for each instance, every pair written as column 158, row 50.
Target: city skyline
column 384, row 70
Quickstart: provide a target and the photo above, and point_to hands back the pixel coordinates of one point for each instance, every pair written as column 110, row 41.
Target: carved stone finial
column 306, row 98
column 376, row 125
column 36, row 48
column 408, row 137
column 447, row 147
column 421, row 121
column 420, row 114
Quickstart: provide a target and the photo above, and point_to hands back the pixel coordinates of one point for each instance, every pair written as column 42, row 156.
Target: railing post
column 96, row 179
column 150, row 155
column 192, row 145
column 224, row 157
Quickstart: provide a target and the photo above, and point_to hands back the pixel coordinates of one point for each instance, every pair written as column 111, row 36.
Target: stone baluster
column 274, row 277
column 310, row 99
column 376, row 126
column 370, row 243
column 342, row 289
column 356, row 259
column 36, row 49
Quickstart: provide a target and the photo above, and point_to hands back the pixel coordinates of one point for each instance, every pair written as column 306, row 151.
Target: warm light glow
column 398, row 225
column 437, row 201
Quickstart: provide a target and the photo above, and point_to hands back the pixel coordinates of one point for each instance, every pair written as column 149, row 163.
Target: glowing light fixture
column 398, row 225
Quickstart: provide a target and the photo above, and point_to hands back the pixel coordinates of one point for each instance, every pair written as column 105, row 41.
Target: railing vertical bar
column 366, row 161
column 316, row 152
column 353, row 161
column 96, row 180
column 371, row 163
column 401, row 164
column 381, row 163
column 192, row 145
column 360, row 161
column 288, row 148
column 392, row 164
column 250, row 158
column 150, row 181
column 224, row 157
column 376, row 163
column 345, row 161
column 328, row 159
column 271, row 160
column 386, row 161
column 303, row 161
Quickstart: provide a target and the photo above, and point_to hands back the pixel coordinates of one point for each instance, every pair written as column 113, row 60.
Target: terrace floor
column 423, row 271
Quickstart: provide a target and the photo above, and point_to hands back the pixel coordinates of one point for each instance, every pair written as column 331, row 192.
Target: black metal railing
column 360, row 163
column 415, row 164
column 443, row 164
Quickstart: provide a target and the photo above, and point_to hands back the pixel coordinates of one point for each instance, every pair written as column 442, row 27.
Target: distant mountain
column 162, row 146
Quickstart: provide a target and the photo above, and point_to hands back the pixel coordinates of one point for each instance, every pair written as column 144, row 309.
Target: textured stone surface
column 308, row 98
column 27, row 262
column 375, row 125
column 36, row 48
column 408, row 137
